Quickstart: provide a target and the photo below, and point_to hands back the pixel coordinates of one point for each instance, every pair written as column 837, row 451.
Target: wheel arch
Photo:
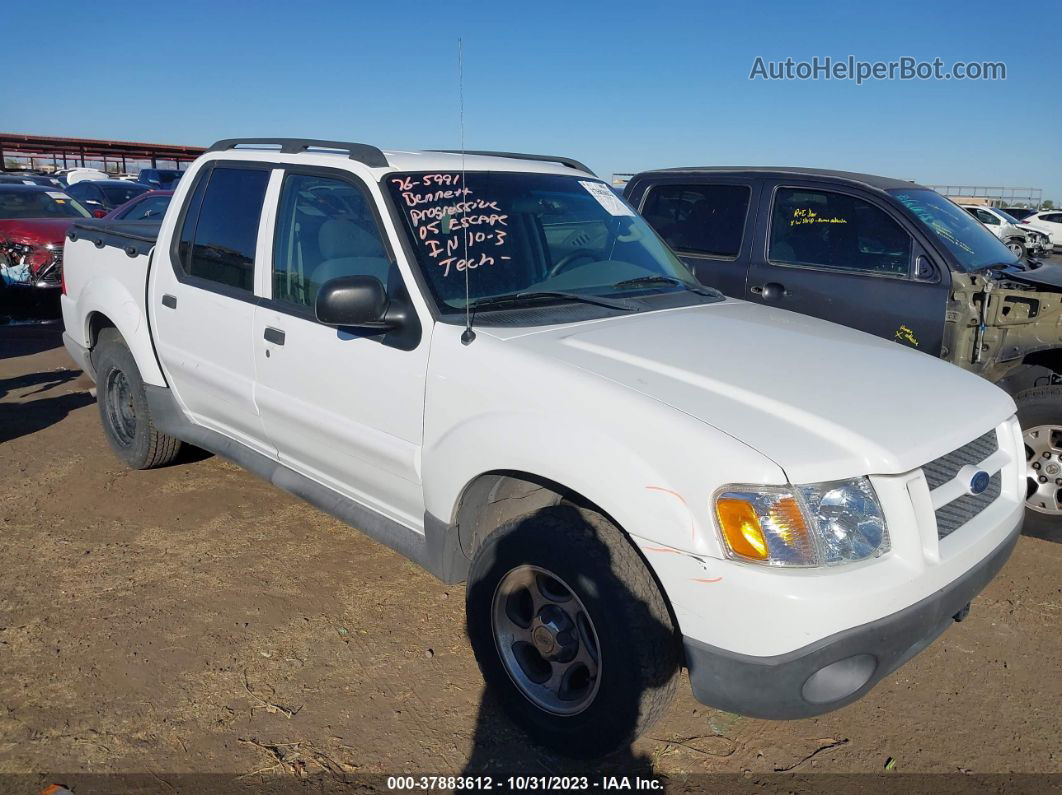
column 493, row 498
column 1038, row 368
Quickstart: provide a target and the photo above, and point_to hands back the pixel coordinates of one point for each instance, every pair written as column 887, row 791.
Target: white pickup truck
column 488, row 362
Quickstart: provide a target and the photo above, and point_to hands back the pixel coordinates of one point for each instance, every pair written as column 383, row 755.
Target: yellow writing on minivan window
column 805, row 215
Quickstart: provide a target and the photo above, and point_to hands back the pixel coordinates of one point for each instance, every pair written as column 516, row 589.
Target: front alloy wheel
column 546, row 640
column 1043, row 467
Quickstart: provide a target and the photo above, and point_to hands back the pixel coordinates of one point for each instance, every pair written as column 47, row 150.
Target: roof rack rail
column 363, row 153
column 564, row 161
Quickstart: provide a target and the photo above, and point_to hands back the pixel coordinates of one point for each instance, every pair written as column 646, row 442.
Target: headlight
column 812, row 525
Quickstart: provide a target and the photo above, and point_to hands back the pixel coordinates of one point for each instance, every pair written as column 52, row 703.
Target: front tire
column 1017, row 248
column 571, row 631
column 1040, row 417
column 123, row 406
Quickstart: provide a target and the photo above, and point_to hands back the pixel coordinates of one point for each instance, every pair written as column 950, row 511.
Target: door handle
column 169, row 301
column 771, row 291
column 274, row 335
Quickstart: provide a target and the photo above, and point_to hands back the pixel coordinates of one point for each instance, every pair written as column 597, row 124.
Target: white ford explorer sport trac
column 490, row 363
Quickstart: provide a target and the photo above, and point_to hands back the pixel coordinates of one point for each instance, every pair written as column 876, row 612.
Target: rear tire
column 613, row 654
column 1040, row 417
column 123, row 406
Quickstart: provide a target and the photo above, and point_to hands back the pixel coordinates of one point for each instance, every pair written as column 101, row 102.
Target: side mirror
column 355, row 302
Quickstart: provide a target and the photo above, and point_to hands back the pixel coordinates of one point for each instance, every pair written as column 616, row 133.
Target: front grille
column 958, row 512
column 955, row 514
column 946, row 467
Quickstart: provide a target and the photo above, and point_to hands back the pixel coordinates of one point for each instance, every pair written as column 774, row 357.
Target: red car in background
column 33, row 224
column 150, row 206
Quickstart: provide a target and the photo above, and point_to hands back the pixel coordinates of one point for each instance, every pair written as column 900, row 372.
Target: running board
column 437, row 549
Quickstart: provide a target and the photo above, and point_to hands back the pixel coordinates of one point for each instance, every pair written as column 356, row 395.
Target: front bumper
column 839, row 669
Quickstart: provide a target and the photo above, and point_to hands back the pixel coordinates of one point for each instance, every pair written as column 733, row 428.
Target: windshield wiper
column 537, row 295
column 645, row 281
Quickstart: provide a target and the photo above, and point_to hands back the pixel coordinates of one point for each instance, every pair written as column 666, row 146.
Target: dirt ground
column 196, row 619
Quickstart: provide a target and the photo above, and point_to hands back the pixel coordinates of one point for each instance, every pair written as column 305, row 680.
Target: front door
column 842, row 257
column 344, row 409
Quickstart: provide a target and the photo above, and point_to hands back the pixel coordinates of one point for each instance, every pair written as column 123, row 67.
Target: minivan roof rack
column 363, row 153
column 564, row 161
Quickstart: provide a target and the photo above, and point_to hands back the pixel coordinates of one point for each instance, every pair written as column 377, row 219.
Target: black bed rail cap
column 363, row 153
column 564, row 161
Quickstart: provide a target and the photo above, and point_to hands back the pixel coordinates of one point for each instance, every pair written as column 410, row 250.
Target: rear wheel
column 571, row 631
column 123, row 407
column 1040, row 416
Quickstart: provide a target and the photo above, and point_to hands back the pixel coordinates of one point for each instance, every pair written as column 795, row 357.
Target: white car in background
column 77, row 175
column 1049, row 222
column 1019, row 239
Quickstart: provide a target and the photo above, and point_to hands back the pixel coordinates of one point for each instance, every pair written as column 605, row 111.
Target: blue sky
column 621, row 86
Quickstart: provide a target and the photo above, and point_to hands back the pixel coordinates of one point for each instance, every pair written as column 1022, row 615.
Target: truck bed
column 134, row 237
column 105, row 273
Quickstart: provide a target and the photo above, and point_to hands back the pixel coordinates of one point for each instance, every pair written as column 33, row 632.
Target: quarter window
column 325, row 229
column 220, row 229
column 701, row 219
column 833, row 230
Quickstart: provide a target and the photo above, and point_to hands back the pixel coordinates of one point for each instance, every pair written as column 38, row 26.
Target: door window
column 700, row 219
column 220, row 229
column 325, row 229
column 822, row 229
column 986, row 217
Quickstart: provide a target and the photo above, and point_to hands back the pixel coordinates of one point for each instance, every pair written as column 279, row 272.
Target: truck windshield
column 972, row 246
column 522, row 233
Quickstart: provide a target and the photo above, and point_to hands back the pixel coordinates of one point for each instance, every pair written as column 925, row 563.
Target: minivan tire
column 123, row 407
column 621, row 614
column 1041, row 407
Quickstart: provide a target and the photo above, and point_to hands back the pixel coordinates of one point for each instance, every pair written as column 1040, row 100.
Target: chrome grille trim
column 958, row 512
column 946, row 467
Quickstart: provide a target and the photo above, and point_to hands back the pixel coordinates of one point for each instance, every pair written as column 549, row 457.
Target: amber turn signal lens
column 741, row 528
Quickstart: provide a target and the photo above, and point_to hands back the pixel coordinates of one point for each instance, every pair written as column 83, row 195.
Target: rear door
column 842, row 255
column 204, row 300
column 706, row 223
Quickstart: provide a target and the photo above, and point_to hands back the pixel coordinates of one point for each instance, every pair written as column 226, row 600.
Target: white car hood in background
column 821, row 400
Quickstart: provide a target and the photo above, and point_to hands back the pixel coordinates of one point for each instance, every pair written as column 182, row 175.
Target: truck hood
column 36, row 230
column 822, row 401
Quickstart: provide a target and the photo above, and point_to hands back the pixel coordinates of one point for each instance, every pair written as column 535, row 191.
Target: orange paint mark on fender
column 662, row 549
column 709, row 580
column 693, row 527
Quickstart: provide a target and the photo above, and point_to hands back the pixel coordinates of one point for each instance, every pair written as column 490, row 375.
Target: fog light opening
column 840, row 679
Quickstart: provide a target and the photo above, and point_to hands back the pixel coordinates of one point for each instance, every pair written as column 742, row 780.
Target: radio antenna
column 468, row 334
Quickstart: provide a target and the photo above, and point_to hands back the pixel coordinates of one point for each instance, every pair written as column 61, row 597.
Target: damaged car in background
column 33, row 224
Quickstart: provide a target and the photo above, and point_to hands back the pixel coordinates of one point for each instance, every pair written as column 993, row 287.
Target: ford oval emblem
column 979, row 482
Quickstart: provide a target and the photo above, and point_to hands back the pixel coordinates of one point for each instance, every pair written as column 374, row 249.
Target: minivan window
column 969, row 242
column 325, row 229
column 700, row 219
column 822, row 229
column 226, row 231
